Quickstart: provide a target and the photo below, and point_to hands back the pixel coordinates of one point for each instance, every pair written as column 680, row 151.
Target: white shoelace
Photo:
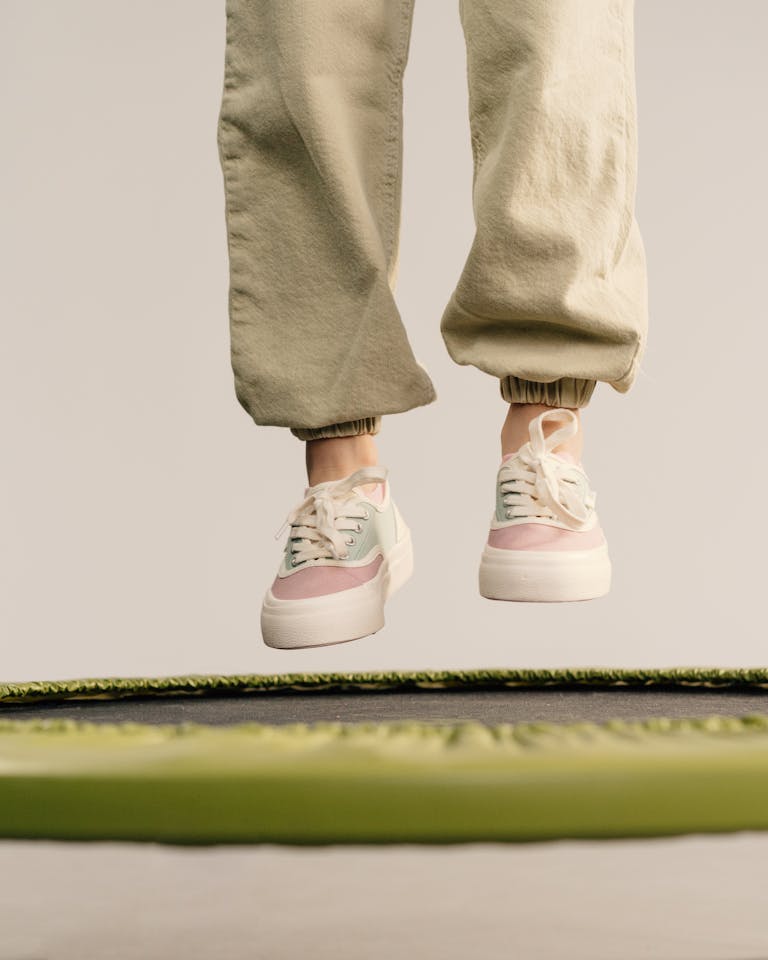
column 537, row 483
column 319, row 521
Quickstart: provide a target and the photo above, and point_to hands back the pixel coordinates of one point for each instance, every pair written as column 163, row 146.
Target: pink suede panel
column 319, row 581
column 541, row 536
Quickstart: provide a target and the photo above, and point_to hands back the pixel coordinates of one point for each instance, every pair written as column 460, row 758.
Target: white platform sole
column 545, row 575
column 336, row 617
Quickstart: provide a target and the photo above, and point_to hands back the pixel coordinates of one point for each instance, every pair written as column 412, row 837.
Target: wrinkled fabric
column 555, row 282
column 553, row 290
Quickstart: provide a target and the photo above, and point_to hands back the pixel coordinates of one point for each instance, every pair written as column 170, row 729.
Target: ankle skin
column 514, row 432
column 337, row 457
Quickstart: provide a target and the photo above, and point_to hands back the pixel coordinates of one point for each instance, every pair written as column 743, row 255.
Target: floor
column 692, row 898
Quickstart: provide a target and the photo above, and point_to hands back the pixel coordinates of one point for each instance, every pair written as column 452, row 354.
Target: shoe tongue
column 562, row 455
column 375, row 496
column 317, row 487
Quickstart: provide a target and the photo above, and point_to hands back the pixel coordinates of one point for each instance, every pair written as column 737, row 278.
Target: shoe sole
column 544, row 576
column 336, row 617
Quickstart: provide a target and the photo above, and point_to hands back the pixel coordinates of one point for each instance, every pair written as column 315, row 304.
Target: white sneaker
column 347, row 552
column 545, row 541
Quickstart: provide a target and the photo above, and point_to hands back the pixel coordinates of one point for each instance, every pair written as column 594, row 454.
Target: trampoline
column 421, row 757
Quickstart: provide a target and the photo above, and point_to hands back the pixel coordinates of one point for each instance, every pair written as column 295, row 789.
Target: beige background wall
column 139, row 502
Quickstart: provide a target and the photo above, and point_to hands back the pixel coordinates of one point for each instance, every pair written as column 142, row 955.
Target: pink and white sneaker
column 545, row 541
column 347, row 552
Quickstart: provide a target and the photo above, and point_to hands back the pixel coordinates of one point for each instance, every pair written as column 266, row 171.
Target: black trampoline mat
column 437, row 706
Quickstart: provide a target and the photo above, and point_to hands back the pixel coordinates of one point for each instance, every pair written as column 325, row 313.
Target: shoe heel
column 400, row 565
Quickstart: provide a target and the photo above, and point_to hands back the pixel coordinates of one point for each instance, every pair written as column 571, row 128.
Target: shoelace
column 537, row 483
column 319, row 521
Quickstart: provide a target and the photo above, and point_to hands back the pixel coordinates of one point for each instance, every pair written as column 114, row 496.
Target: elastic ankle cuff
column 351, row 428
column 566, row 392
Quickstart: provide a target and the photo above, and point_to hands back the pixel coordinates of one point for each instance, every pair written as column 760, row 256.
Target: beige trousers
column 552, row 297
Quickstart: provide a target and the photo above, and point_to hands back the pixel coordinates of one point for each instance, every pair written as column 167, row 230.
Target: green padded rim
column 386, row 782
column 204, row 684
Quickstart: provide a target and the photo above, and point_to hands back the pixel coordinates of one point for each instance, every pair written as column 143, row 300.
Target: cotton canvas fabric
column 553, row 294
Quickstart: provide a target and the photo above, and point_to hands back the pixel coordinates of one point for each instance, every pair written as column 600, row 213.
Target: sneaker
column 545, row 542
column 347, row 552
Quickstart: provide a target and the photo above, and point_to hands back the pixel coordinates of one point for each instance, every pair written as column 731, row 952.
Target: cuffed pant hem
column 566, row 392
column 351, row 428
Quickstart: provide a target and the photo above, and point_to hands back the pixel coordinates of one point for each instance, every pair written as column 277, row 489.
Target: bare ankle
column 514, row 432
column 337, row 457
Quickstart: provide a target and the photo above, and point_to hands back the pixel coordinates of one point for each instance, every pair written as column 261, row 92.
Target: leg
column 310, row 145
column 331, row 458
column 515, row 430
column 552, row 297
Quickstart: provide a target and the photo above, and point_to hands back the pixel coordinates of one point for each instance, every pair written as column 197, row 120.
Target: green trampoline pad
column 425, row 757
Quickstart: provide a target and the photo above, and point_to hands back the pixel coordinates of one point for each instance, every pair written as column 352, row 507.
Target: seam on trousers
column 394, row 137
column 625, row 12
column 233, row 211
column 634, row 362
column 223, row 146
column 476, row 140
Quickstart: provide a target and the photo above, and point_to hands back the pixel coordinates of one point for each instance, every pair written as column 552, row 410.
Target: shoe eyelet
column 293, row 562
column 366, row 515
column 508, row 514
column 344, row 556
column 350, row 541
column 359, row 528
